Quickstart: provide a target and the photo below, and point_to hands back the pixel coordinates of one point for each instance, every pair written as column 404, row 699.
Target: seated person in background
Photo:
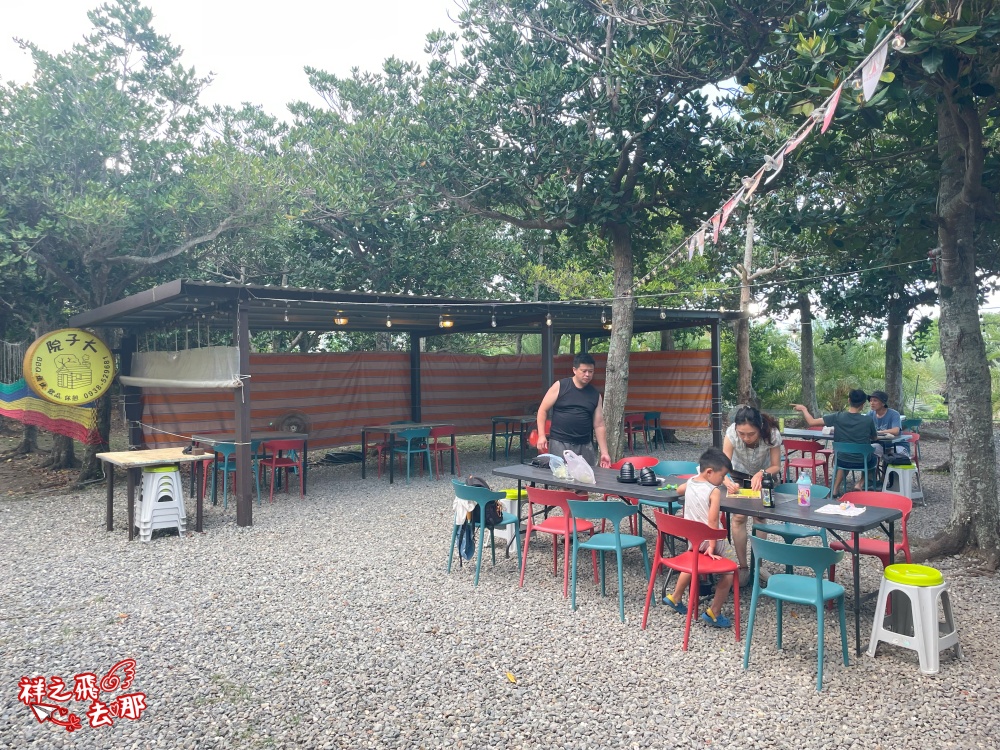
column 887, row 422
column 702, row 502
column 850, row 426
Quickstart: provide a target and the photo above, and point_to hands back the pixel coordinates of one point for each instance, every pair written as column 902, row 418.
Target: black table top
column 787, row 509
column 606, row 482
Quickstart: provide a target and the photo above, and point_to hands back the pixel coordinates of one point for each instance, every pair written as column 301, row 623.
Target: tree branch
column 228, row 223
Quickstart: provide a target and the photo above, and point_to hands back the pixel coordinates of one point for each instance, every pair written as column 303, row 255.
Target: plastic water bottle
column 805, row 488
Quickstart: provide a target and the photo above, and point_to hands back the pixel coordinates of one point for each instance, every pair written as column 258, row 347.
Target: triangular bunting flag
column 873, row 70
column 730, row 206
column 794, row 143
column 831, row 108
column 700, row 241
column 716, row 226
column 691, row 247
column 775, row 164
column 750, row 184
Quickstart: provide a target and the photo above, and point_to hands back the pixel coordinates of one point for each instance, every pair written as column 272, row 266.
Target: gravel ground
column 332, row 623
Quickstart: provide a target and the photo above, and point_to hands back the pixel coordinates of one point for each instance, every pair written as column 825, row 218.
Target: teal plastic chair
column 228, row 464
column 813, row 590
column 675, row 468
column 789, row 532
column 480, row 496
column 414, row 444
column 861, row 452
column 650, row 418
column 611, row 541
column 912, row 424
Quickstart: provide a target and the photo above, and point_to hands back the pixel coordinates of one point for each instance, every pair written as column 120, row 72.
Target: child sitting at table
column 702, row 501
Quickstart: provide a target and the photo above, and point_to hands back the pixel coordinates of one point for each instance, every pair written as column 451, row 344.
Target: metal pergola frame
column 249, row 308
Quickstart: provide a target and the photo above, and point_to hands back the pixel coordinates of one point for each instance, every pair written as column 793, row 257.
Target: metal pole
column 716, row 385
column 244, row 473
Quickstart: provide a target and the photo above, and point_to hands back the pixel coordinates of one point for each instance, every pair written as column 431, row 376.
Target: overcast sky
column 255, row 50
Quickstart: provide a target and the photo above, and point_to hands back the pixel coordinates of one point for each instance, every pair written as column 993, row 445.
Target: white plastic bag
column 578, row 468
column 556, row 465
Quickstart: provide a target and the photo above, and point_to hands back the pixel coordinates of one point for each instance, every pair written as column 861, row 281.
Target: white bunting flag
column 830, row 109
column 775, row 164
column 699, row 239
column 873, row 71
column 750, row 184
column 691, row 247
column 730, row 206
column 716, row 226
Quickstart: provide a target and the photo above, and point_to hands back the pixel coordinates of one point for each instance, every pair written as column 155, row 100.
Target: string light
column 388, row 321
column 444, row 322
column 604, row 317
column 548, row 319
column 340, row 319
column 286, row 314
column 493, row 319
column 898, row 42
column 663, row 314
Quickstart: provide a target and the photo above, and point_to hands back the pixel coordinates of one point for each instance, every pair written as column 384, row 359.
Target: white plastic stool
column 904, row 481
column 161, row 502
column 914, row 622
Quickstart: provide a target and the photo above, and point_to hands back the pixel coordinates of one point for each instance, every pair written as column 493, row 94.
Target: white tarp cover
column 214, row 367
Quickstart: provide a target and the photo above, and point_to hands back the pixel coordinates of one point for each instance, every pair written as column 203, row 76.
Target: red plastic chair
column 439, row 447
column 533, row 435
column 556, row 526
column 826, row 453
column 693, row 562
column 878, row 547
column 275, row 463
column 638, row 462
column 635, row 425
column 810, row 451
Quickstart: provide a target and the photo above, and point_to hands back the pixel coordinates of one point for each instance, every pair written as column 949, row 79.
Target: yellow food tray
column 748, row 493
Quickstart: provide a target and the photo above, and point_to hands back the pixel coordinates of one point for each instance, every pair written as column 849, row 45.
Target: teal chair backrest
column 475, row 494
column 614, row 511
column 675, row 468
column 855, row 449
column 819, row 491
column 818, row 558
column 913, row 423
column 414, row 434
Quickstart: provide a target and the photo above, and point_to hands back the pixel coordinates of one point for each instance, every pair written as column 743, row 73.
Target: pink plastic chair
column 810, row 451
column 439, row 447
column 557, row 526
column 694, row 562
column 638, row 462
column 275, row 463
column 635, row 425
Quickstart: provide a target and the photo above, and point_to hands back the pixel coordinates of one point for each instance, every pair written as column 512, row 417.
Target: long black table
column 788, row 510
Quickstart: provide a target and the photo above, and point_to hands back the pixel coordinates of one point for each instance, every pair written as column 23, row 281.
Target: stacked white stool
column 914, row 622
column 161, row 501
column 904, row 481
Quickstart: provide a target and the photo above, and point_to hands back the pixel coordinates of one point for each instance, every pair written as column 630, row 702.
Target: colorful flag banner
column 730, row 206
column 716, row 226
column 831, row 108
column 794, row 143
column 750, row 184
column 699, row 239
column 873, row 70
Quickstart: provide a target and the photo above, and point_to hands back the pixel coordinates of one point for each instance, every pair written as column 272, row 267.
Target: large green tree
column 106, row 174
column 945, row 80
column 559, row 116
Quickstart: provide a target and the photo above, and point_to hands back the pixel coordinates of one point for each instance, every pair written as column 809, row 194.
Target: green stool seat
column 914, row 575
column 160, row 469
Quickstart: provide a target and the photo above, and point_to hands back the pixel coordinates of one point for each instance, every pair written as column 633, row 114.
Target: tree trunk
column 518, row 343
column 666, row 341
column 29, row 441
column 90, row 467
column 622, row 315
column 807, row 354
column 63, row 456
column 744, row 375
column 975, row 512
column 898, row 308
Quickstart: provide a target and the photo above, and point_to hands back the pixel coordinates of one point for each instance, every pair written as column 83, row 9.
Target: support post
column 244, row 472
column 548, row 366
column 131, row 394
column 584, row 344
column 415, row 410
column 716, row 385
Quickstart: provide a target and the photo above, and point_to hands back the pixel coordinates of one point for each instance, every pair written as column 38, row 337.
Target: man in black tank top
column 577, row 413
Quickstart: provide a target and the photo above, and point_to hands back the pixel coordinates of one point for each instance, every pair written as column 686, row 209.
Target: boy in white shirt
column 702, row 501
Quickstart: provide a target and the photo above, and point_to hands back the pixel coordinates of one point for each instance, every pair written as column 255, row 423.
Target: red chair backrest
column 552, row 498
column 635, row 421
column 883, row 500
column 442, row 431
column 533, row 435
column 695, row 532
column 283, row 445
column 638, row 462
column 803, row 446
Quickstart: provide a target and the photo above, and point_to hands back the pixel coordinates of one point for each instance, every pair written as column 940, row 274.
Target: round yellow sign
column 69, row 366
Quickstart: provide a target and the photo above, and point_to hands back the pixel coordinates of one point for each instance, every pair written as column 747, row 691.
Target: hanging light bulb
column 493, row 319
column 856, row 83
column 548, row 319
column 388, row 321
column 898, row 42
column 607, row 325
column 340, row 319
column 663, row 314
column 444, row 322
column 286, row 314
column 604, row 317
